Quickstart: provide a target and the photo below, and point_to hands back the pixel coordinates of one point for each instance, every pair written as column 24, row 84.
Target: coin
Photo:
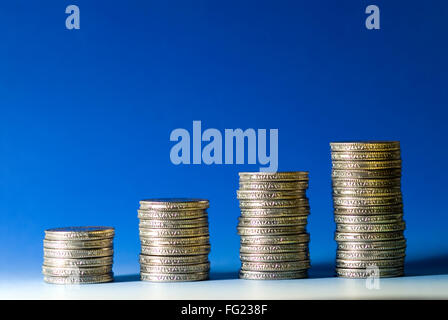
column 369, row 201
column 190, row 241
column 366, row 155
column 173, row 233
column 362, row 274
column 365, row 146
column 361, row 219
column 366, row 192
column 370, row 210
column 173, row 260
column 277, row 275
column 372, row 245
column 371, row 254
column 275, row 212
column 89, row 262
column 275, row 240
column 367, row 183
column 369, row 236
column 365, row 165
column 360, row 264
column 248, row 231
column 175, row 251
column 275, row 257
column 78, row 253
column 275, row 266
column 78, row 244
column 368, row 227
column 366, row 174
column 79, row 280
column 164, row 269
column 247, row 204
column 79, row 233
column 171, row 215
column 269, row 248
column 69, row 272
column 274, row 185
column 272, row 221
column 174, row 277
column 269, row 195
column 171, row 204
column 173, row 224
column 273, row 176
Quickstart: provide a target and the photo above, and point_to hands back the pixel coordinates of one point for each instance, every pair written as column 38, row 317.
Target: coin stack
column 368, row 209
column 174, row 238
column 272, row 225
column 78, row 255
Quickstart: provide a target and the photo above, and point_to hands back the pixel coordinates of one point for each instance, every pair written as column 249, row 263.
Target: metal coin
column 78, row 253
column 365, row 165
column 275, row 266
column 193, row 268
column 175, row 251
column 269, row 195
column 368, row 227
column 366, row 155
column 174, row 233
column 365, row 146
column 79, row 280
column 174, row 277
column 359, row 264
column 171, row 215
column 82, row 272
column 173, row 260
column 173, row 224
column 371, row 254
column 273, row 185
column 272, row 221
column 273, row 176
column 371, row 210
column 174, row 204
column 269, row 248
column 360, row 219
column 275, row 257
column 370, row 201
column 366, row 174
column 276, row 212
column 176, row 242
column 372, row 245
column 275, row 240
column 79, row 233
column 253, row 231
column 362, row 274
column 78, row 244
column 367, row 236
column 89, row 262
column 277, row 275
column 248, row 204
column 366, row 192
column 367, row 183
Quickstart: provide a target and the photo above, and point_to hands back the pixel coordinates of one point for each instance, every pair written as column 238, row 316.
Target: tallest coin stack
column 368, row 209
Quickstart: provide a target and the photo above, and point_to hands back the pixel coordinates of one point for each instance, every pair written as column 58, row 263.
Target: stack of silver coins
column 78, row 255
column 368, row 209
column 174, row 238
column 272, row 225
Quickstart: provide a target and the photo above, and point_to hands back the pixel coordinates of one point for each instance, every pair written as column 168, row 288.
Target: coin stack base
column 174, row 238
column 78, row 255
column 368, row 209
column 272, row 225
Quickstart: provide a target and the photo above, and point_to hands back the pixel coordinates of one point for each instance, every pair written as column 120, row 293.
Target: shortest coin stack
column 78, row 255
column 272, row 225
column 174, row 238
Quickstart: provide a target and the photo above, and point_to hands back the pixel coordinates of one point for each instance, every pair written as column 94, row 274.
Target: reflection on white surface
column 129, row 287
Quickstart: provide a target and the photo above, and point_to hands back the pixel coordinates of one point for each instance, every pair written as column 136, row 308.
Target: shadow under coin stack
column 272, row 225
column 78, row 255
column 368, row 209
column 174, row 238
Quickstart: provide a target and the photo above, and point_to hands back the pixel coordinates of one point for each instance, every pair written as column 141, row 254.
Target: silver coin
column 371, row 254
column 79, row 280
column 89, row 262
column 173, row 260
column 346, row 219
column 266, row 248
column 372, row 245
column 173, row 224
column 171, row 215
column 369, row 227
column 272, row 221
column 174, row 277
column 371, row 210
column 176, row 242
column 174, row 204
column 366, row 155
column 367, row 201
column 368, row 236
column 275, row 266
column 374, row 146
column 274, row 176
column 362, row 274
column 282, row 230
column 79, row 233
column 273, row 185
column 173, row 233
column 289, row 203
column 269, row 275
column 366, row 174
column 270, row 195
column 175, row 251
column 192, row 268
column 360, row 264
column 78, row 253
column 275, row 240
column 367, row 183
column 78, row 244
column 276, row 212
column 365, row 192
column 82, row 272
column 275, row 257
column 365, row 164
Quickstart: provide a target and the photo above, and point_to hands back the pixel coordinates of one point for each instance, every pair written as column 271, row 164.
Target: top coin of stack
column 77, row 255
column 272, row 226
column 368, row 208
column 174, row 238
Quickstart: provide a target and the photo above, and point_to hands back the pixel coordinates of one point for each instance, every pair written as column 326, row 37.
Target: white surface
column 426, row 287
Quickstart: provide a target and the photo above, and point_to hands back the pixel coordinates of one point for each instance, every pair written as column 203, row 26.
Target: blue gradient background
column 86, row 115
